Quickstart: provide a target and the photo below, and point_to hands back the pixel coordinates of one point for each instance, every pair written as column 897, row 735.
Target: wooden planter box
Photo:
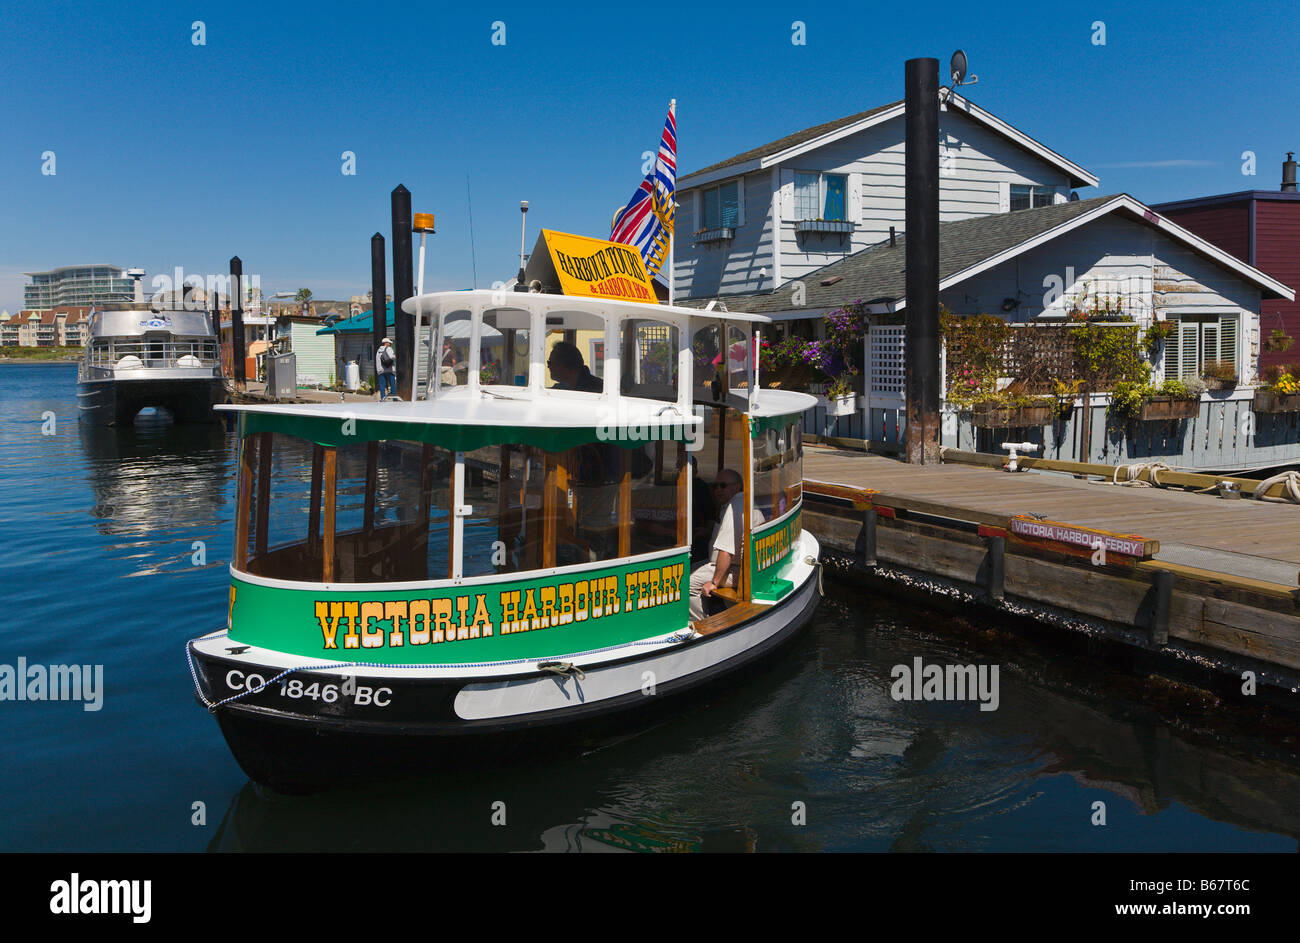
column 841, row 406
column 1167, row 407
column 1266, row 402
column 1214, row 383
column 993, row 417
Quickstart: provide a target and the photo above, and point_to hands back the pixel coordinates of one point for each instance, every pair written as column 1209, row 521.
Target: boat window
column 496, row 478
column 706, row 350
column 503, row 347
column 279, row 498
column 658, row 497
column 575, row 351
column 391, row 514
column 792, row 465
column 527, row 509
column 721, row 441
column 778, row 467
column 532, row 509
column 738, row 357
column 454, row 342
column 649, row 358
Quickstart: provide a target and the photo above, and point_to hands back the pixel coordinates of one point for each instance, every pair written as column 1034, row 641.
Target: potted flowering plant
column 1280, row 392
column 834, row 357
column 1220, row 375
column 830, row 364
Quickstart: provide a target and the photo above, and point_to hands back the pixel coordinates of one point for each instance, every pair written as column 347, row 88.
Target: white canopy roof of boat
column 557, row 409
column 436, row 302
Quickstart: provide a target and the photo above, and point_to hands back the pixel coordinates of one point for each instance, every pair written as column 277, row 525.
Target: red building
column 1261, row 227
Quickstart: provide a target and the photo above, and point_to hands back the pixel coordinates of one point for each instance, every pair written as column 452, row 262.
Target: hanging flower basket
column 992, row 416
column 1170, row 407
column 1270, row 402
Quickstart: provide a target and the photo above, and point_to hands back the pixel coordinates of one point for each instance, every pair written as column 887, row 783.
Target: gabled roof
column 783, row 149
column 877, row 275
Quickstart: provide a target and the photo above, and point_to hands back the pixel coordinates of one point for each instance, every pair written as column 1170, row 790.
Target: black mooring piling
column 378, row 306
column 403, row 288
column 921, row 109
column 237, row 322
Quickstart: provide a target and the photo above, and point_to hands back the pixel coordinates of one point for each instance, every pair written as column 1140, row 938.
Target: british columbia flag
column 647, row 220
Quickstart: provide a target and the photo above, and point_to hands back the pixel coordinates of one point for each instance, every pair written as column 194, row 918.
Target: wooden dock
column 1193, row 575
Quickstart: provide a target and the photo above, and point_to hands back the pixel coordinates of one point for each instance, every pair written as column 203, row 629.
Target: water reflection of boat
column 149, row 474
column 472, row 567
column 138, row 358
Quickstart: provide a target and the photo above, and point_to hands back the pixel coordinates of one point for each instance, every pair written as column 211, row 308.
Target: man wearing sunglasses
column 725, row 555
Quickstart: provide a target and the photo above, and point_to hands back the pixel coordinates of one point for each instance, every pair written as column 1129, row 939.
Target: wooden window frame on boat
column 550, row 523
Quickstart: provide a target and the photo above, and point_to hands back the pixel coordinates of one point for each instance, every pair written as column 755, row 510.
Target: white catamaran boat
column 138, row 357
column 502, row 559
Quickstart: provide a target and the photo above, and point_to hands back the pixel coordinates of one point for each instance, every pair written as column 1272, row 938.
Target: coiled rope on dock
column 1131, row 473
column 1290, row 482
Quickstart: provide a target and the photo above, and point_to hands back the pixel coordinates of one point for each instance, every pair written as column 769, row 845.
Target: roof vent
column 1288, row 173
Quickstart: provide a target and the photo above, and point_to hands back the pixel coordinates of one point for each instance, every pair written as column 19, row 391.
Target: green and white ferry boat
column 502, row 559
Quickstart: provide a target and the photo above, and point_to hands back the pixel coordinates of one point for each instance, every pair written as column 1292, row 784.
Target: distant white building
column 78, row 286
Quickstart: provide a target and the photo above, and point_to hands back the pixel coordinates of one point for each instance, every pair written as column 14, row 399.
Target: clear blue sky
column 173, row 154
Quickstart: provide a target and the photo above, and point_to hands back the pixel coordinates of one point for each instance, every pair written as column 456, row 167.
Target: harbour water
column 100, row 533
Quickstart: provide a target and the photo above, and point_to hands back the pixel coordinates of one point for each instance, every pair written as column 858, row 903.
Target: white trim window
column 720, row 206
column 1200, row 339
column 821, row 196
column 1024, row 197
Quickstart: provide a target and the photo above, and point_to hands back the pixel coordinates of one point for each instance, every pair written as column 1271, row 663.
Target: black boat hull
column 388, row 725
column 117, row 402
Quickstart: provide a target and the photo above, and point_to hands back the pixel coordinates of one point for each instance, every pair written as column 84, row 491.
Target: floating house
column 314, row 352
column 354, row 341
column 814, row 221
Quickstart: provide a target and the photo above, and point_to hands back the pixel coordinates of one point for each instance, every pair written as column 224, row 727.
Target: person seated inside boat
column 569, row 370
column 704, row 514
column 725, row 555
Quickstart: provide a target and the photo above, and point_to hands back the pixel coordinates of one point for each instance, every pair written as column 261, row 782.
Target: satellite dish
column 957, row 67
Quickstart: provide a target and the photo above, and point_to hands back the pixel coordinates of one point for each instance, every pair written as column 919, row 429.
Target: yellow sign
column 594, row 268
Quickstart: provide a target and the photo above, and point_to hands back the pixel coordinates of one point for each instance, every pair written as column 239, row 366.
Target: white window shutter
column 1004, row 196
column 1228, row 339
column 853, row 211
column 787, row 193
column 1210, row 343
column 740, row 201
column 1186, row 339
column 1171, row 359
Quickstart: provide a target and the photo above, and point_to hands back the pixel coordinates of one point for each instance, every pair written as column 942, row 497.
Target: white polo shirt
column 729, row 535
